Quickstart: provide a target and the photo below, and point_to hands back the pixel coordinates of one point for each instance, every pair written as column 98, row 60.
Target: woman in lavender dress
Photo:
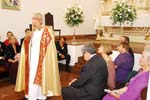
column 137, row 84
column 124, row 62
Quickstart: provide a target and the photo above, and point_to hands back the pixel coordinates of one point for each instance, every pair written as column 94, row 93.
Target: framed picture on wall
column 10, row 4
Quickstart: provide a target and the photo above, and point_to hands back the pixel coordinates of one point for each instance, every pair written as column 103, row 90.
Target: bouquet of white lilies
column 74, row 16
column 123, row 13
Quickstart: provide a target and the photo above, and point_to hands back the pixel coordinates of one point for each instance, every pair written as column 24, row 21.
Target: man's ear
column 88, row 53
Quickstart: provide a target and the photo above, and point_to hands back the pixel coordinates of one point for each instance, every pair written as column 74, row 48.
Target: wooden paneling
column 70, row 37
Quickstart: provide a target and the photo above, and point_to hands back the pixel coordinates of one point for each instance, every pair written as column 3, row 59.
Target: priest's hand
column 72, row 82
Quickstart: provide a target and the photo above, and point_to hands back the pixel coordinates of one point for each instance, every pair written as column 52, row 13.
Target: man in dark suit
column 2, row 53
column 92, row 81
column 62, row 52
column 27, row 31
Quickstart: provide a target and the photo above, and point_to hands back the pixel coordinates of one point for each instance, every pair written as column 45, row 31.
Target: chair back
column 49, row 20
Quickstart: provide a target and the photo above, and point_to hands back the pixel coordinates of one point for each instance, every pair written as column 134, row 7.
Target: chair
column 144, row 94
column 49, row 21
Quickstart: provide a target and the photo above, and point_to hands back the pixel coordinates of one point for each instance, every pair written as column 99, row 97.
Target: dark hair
column 63, row 38
column 126, row 39
column 27, row 29
column 9, row 32
column 125, row 45
column 109, row 53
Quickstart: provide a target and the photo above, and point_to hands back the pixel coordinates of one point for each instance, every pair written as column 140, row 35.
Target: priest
column 38, row 73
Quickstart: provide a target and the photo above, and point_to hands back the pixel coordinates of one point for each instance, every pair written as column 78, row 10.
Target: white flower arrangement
column 74, row 16
column 122, row 12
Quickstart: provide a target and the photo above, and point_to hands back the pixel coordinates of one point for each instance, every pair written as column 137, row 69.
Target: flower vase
column 74, row 34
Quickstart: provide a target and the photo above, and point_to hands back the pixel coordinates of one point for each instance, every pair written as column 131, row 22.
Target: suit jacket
column 2, row 53
column 93, row 77
column 2, row 49
column 63, row 51
column 10, row 54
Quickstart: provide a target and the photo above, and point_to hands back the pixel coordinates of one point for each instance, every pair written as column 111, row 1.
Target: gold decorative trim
column 127, row 30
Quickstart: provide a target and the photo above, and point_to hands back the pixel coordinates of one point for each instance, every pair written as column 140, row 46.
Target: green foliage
column 122, row 13
column 74, row 16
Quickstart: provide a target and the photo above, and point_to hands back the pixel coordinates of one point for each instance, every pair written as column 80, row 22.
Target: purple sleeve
column 135, row 88
column 124, row 61
column 118, row 60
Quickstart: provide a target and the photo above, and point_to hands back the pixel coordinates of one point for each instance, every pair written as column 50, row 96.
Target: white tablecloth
column 75, row 51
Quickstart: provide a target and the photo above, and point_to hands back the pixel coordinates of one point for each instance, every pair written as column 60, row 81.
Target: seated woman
column 137, row 84
column 105, row 50
column 124, row 63
column 12, row 57
column 2, row 53
column 9, row 35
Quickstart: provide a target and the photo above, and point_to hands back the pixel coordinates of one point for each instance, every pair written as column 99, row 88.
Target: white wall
column 17, row 21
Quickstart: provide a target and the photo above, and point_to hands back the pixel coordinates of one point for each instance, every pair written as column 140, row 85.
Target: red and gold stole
column 46, row 38
column 26, row 47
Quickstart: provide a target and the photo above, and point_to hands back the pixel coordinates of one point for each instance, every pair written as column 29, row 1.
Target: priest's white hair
column 38, row 15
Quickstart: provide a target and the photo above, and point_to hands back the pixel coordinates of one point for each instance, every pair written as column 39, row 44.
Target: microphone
column 30, row 27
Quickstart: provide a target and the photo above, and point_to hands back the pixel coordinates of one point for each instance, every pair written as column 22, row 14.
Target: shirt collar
column 92, row 55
